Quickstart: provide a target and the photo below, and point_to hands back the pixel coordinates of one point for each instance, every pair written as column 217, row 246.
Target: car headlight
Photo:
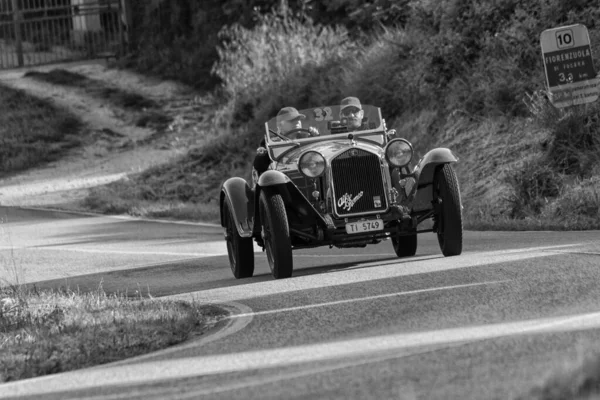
column 399, row 152
column 311, row 164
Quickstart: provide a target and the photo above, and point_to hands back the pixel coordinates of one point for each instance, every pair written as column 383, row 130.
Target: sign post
column 570, row 75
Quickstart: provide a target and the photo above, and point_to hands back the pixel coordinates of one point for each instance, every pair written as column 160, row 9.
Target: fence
column 35, row 32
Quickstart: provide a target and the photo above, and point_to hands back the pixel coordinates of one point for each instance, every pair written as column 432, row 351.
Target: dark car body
column 367, row 192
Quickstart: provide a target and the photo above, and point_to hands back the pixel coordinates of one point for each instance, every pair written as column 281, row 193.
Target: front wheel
column 276, row 233
column 449, row 216
column 405, row 246
column 239, row 249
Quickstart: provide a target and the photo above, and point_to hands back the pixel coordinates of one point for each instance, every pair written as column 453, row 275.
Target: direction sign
column 570, row 75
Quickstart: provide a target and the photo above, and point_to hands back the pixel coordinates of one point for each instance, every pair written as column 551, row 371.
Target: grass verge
column 146, row 111
column 33, row 131
column 48, row 332
column 573, row 382
column 117, row 96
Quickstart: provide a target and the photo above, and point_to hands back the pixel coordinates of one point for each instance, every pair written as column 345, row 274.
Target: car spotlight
column 399, row 152
column 311, row 164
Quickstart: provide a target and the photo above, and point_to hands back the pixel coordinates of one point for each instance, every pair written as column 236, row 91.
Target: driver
column 288, row 119
column 352, row 114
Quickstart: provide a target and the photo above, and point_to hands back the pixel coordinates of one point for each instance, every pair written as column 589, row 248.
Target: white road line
column 220, row 249
column 346, row 353
column 368, row 298
column 587, row 253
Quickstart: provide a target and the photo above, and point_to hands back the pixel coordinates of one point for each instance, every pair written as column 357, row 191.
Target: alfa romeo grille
column 357, row 183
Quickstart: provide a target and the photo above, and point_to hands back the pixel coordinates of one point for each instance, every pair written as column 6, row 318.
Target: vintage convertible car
column 341, row 188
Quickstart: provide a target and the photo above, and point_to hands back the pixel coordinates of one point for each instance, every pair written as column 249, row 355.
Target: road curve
column 350, row 323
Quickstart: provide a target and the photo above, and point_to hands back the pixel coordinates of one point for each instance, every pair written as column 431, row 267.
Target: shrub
column 282, row 58
column 581, row 200
column 532, row 186
column 574, row 144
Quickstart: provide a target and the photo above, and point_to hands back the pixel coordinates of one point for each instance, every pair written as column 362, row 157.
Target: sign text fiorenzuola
column 567, row 55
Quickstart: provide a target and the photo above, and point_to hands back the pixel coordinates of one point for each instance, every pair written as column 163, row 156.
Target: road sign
column 570, row 75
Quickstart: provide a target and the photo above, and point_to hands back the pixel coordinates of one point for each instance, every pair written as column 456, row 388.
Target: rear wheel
column 449, row 216
column 405, row 246
column 276, row 234
column 239, row 249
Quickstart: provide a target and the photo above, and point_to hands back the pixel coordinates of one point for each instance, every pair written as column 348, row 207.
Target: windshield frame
column 324, row 117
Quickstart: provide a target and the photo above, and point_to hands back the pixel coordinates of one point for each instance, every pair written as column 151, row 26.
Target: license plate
column 364, row 226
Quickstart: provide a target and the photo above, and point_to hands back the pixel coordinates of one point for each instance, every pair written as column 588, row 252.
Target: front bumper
column 396, row 222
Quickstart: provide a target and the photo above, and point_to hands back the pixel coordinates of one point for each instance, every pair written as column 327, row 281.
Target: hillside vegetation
column 462, row 74
column 34, row 132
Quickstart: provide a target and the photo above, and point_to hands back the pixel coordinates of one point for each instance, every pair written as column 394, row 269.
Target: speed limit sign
column 570, row 75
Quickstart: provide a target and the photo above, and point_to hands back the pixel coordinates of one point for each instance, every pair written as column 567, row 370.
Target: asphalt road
column 513, row 309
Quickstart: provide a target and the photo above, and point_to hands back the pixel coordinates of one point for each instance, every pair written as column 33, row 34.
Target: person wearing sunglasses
column 352, row 114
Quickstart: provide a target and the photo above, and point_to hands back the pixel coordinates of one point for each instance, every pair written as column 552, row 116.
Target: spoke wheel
column 405, row 246
column 449, row 218
column 276, row 234
column 239, row 249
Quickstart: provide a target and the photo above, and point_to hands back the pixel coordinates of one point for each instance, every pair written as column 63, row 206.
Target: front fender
column 424, row 172
column 272, row 177
column 240, row 198
column 426, row 166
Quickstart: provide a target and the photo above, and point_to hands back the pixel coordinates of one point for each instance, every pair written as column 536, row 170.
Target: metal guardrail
column 36, row 32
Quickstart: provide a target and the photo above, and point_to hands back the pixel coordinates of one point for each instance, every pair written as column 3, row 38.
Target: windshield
column 326, row 120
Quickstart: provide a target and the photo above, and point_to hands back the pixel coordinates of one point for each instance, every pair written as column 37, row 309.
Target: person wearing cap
column 351, row 113
column 288, row 119
column 352, row 116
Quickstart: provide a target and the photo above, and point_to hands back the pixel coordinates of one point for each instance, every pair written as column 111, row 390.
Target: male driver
column 351, row 113
column 288, row 119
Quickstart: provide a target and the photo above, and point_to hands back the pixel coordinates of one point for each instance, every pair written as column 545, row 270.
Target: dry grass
column 117, row 198
column 48, row 332
column 580, row 380
column 33, row 132
column 113, row 95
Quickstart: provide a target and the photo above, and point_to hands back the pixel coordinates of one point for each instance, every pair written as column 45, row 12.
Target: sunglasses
column 350, row 110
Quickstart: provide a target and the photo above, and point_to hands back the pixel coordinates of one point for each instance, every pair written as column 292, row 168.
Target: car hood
column 329, row 150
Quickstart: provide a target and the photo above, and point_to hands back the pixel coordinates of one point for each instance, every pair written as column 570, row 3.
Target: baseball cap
column 288, row 114
column 350, row 102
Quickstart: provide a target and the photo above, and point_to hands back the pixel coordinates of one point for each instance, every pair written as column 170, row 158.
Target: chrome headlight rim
column 302, row 160
column 394, row 142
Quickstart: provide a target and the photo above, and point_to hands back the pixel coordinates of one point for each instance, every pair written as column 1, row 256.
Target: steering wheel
column 298, row 133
